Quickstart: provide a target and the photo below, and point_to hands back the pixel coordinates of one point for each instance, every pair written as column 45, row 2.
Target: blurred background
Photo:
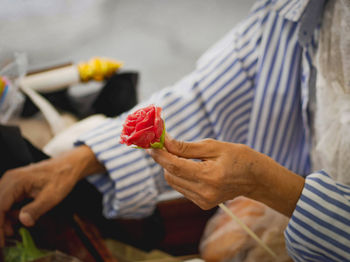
column 161, row 39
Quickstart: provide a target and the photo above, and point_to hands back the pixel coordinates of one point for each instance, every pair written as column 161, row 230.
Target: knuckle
column 182, row 146
column 12, row 177
column 7, row 175
column 209, row 197
column 207, row 168
column 204, row 205
column 173, row 168
column 209, row 141
column 201, row 204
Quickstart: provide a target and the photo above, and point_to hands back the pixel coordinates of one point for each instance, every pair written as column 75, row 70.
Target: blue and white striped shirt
column 253, row 88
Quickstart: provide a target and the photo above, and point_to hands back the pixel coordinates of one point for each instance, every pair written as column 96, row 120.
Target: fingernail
column 26, row 219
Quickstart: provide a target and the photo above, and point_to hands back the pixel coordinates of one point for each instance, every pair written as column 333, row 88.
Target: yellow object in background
column 60, row 78
column 98, row 69
column 2, row 85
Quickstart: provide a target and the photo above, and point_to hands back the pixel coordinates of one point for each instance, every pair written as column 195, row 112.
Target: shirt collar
column 308, row 13
column 291, row 9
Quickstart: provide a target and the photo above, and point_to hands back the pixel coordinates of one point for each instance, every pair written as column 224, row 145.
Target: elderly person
column 272, row 122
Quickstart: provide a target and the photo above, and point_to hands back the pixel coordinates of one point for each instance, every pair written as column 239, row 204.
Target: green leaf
column 157, row 145
column 160, row 144
column 23, row 251
column 31, row 251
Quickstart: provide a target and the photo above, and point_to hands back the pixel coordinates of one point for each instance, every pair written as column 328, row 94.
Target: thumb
column 196, row 150
column 26, row 218
column 31, row 212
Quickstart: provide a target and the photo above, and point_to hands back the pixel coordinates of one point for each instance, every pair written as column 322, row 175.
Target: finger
column 191, row 190
column 181, row 186
column 3, row 226
column 181, row 167
column 174, row 180
column 6, row 201
column 187, row 194
column 195, row 198
column 45, row 201
column 196, row 150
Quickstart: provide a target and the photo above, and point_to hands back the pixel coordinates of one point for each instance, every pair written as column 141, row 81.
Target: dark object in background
column 61, row 223
column 118, row 95
column 77, row 227
column 15, row 151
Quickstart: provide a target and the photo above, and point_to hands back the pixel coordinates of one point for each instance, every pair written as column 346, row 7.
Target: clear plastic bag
column 12, row 99
column 331, row 151
column 225, row 240
column 13, row 71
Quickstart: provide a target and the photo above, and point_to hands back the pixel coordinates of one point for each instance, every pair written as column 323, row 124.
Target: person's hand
column 225, row 171
column 47, row 183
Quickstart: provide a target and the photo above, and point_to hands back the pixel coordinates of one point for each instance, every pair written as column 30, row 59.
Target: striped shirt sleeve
column 319, row 229
column 212, row 102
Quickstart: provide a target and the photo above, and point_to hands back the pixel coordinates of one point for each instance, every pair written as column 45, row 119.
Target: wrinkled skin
column 47, row 183
column 225, row 171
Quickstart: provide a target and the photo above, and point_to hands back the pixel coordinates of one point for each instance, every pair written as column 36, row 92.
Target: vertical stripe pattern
column 251, row 88
column 319, row 229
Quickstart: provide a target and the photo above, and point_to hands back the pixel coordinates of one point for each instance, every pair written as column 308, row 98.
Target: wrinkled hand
column 225, row 171
column 47, row 183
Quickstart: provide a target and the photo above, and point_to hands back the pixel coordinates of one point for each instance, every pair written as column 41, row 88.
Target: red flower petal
column 143, row 127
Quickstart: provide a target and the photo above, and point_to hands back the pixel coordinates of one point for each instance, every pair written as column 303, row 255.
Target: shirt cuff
column 128, row 187
column 319, row 229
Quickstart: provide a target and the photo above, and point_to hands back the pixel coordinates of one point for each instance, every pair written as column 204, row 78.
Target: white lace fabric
column 331, row 148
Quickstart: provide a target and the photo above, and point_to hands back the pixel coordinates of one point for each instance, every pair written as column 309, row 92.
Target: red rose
column 144, row 128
